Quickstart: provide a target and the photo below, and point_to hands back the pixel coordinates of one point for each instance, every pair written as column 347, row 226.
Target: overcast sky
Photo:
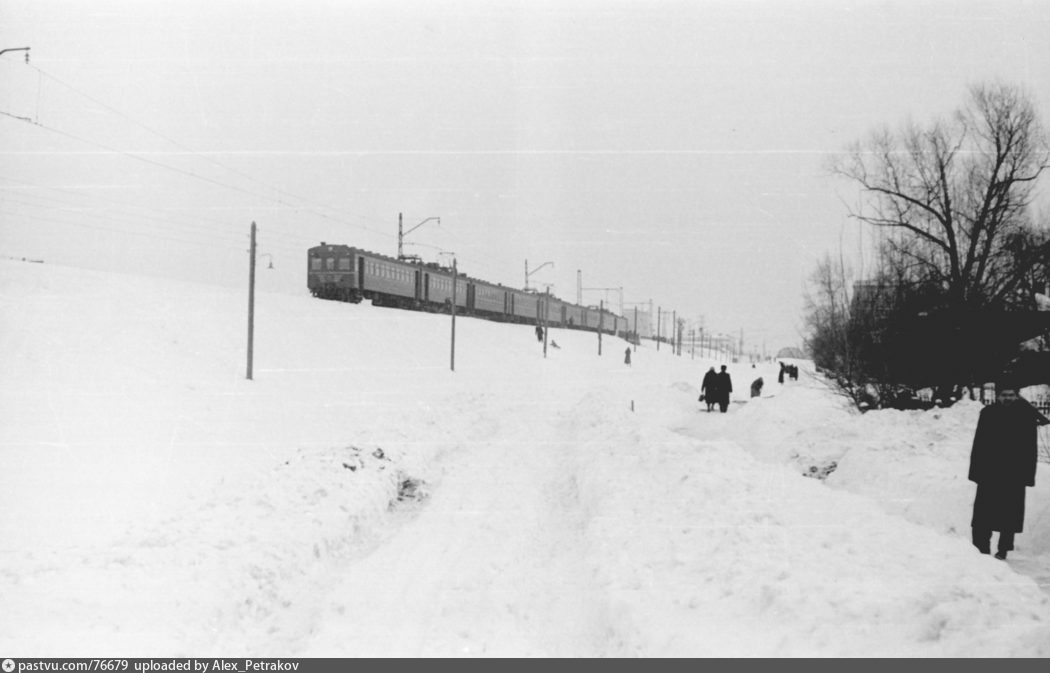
column 675, row 149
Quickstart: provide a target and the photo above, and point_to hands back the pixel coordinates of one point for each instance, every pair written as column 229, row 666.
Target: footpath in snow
column 359, row 499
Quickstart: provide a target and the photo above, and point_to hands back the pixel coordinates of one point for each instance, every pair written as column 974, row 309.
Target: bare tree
column 827, row 319
column 956, row 195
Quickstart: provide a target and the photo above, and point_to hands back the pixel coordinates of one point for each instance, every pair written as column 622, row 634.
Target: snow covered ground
column 357, row 498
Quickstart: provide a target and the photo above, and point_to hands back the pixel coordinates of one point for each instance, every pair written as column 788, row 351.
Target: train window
column 315, row 263
column 329, row 264
column 344, row 264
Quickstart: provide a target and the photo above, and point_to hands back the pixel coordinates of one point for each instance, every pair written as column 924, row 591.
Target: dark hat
column 1007, row 383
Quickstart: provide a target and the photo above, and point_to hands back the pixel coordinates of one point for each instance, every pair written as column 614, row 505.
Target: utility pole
column 546, row 309
column 659, row 323
column 674, row 339
column 601, row 323
column 452, row 357
column 401, row 235
column 636, row 338
column 251, row 301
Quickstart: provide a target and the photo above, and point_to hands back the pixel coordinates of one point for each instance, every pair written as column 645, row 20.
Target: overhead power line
column 306, row 203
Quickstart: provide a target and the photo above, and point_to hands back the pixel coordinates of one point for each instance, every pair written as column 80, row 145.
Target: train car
column 573, row 316
column 555, row 311
column 487, row 299
column 346, row 273
column 437, row 287
column 350, row 274
column 524, row 306
column 388, row 281
column 331, row 272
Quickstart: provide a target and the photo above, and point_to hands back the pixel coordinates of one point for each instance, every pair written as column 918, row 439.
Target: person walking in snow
column 627, row 356
column 756, row 387
column 780, row 376
column 707, row 388
column 1002, row 464
column 724, row 384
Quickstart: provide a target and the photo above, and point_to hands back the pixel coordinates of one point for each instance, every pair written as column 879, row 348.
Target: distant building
column 872, row 296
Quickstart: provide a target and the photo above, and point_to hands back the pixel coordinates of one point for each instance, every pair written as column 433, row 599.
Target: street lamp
column 401, row 236
column 529, row 273
column 25, row 49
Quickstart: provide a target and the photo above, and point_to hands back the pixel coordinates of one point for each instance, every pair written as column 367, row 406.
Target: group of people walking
column 1002, row 461
column 715, row 389
column 787, row 370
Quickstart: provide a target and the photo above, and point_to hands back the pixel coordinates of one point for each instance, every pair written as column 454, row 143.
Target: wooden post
column 452, row 356
column 251, row 302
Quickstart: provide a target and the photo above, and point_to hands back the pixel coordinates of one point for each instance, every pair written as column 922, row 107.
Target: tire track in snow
column 496, row 564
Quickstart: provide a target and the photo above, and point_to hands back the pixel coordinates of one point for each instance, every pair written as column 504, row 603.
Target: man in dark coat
column 725, row 386
column 1002, row 464
column 709, row 388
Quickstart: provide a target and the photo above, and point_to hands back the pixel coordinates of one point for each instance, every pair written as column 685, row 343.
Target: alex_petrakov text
column 214, row 666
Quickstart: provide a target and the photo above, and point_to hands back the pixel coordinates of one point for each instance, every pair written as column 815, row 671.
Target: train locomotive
column 345, row 273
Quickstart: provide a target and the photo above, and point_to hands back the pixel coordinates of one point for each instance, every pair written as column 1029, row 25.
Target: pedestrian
column 780, row 376
column 1002, row 464
column 725, row 386
column 539, row 333
column 708, row 388
column 756, row 387
column 627, row 356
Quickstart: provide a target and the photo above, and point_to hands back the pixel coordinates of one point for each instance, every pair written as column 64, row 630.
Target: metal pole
column 674, row 336
column 659, row 321
column 526, row 274
column 546, row 308
column 400, row 237
column 636, row 339
column 251, row 302
column 601, row 323
column 25, row 49
column 452, row 356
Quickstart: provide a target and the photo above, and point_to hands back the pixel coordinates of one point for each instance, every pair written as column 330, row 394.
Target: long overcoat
column 709, row 387
column 724, row 384
column 1002, row 464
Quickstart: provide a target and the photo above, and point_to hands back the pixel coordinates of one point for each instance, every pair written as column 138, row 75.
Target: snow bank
column 357, row 498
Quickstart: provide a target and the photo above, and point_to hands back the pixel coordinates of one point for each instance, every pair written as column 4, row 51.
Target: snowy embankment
column 357, row 498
